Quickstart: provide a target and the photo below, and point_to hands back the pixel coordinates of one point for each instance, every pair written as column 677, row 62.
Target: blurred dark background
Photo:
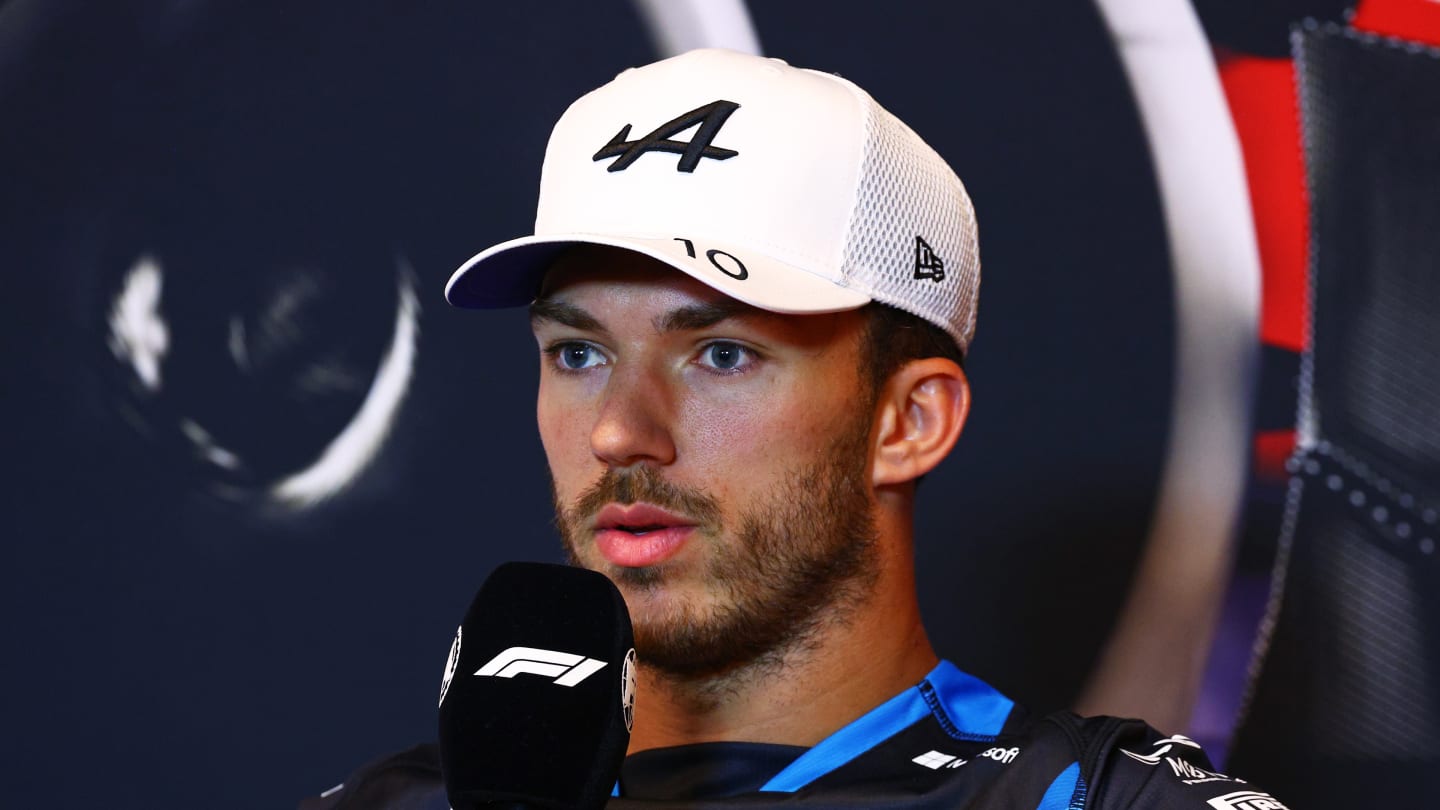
column 255, row 467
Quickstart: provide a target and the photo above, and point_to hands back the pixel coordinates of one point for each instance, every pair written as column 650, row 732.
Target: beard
column 804, row 558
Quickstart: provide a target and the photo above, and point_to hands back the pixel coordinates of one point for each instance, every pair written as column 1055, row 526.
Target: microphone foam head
column 538, row 696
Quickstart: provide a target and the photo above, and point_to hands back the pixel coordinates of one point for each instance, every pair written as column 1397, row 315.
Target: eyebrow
column 700, row 316
column 689, row 317
column 547, row 309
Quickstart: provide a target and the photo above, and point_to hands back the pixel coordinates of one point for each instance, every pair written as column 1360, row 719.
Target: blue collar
column 965, row 706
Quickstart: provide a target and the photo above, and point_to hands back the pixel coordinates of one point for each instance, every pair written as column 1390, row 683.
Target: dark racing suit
column 951, row 741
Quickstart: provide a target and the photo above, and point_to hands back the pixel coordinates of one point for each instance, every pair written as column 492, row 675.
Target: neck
column 809, row 691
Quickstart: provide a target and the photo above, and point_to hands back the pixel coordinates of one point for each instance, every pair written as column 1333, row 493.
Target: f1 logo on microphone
column 567, row 669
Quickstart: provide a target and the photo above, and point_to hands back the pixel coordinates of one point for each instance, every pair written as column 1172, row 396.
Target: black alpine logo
column 710, row 118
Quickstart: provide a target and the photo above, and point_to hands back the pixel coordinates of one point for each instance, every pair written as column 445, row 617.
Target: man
column 752, row 290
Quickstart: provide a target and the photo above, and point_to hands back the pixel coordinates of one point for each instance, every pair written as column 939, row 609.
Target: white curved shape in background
column 139, row 334
column 677, row 26
column 350, row 452
column 1154, row 661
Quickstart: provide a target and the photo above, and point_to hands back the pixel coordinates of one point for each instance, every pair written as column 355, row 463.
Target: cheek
column 565, row 435
column 739, row 444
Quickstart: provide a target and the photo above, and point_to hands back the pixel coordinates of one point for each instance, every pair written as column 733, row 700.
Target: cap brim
column 510, row 273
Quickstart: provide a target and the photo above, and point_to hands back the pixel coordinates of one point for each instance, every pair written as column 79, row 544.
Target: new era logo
column 927, row 263
column 567, row 669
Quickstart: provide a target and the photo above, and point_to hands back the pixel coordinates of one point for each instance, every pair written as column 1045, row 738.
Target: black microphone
column 539, row 692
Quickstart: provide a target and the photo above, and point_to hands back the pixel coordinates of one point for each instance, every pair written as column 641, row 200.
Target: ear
column 921, row 411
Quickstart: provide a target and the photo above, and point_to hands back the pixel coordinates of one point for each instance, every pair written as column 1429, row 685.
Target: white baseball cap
column 788, row 189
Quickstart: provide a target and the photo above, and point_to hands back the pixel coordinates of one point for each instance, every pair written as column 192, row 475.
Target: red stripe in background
column 1413, row 20
column 1263, row 104
column 1272, row 448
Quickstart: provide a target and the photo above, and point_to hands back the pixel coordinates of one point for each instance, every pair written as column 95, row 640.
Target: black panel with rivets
column 1345, row 696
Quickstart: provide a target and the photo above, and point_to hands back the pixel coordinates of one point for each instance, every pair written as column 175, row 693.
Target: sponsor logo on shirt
column 934, row 760
column 1191, row 775
column 1004, row 756
column 1246, row 800
column 1162, row 747
column 1187, row 773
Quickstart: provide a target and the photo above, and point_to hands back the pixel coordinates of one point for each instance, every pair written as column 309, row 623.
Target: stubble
column 802, row 560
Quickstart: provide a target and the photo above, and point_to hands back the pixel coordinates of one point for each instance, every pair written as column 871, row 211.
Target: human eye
column 725, row 355
column 574, row 355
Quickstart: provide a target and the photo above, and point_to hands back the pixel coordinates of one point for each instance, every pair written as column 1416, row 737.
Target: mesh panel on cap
column 907, row 191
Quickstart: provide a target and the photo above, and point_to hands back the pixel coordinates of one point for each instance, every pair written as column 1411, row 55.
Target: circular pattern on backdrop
column 266, row 379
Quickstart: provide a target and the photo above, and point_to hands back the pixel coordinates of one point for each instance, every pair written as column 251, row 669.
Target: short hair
column 894, row 337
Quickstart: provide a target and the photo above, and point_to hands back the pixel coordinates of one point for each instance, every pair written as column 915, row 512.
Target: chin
column 660, row 596
column 655, row 596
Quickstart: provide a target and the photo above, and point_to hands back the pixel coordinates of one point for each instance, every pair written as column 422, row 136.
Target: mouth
column 639, row 535
column 638, row 518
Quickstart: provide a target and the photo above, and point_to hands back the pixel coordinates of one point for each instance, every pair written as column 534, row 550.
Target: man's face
column 711, row 458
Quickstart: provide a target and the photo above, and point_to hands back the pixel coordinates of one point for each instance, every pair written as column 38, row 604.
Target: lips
column 640, row 535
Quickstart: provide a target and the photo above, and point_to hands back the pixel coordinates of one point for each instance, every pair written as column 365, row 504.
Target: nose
column 633, row 424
